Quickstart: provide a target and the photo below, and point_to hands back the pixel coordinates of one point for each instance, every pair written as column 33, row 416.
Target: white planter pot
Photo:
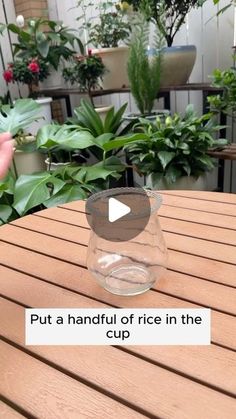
column 28, row 163
column 115, row 60
column 54, row 166
column 54, row 80
column 45, row 114
column 177, row 65
column 187, row 183
column 102, row 111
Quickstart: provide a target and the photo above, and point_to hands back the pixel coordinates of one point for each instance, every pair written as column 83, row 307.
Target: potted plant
column 173, row 154
column 169, row 16
column 41, row 46
column 87, row 72
column 108, row 129
column 226, row 102
column 16, row 119
column 144, row 72
column 107, row 32
column 81, row 140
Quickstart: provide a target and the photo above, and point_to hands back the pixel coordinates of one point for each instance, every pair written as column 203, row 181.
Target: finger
column 6, row 154
column 6, row 136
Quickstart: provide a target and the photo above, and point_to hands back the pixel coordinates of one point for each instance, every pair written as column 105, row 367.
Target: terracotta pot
column 115, row 60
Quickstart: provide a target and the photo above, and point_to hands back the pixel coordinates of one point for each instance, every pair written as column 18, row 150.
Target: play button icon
column 117, row 210
column 119, row 214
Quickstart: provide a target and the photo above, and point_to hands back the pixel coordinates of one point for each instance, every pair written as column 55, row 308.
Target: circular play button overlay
column 120, row 214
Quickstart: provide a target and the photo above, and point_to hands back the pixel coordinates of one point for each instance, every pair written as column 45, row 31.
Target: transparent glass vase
column 121, row 266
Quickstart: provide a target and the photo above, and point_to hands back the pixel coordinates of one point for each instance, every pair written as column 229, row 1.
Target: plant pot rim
column 109, row 50
column 100, row 109
column 174, row 49
column 43, row 100
column 157, row 112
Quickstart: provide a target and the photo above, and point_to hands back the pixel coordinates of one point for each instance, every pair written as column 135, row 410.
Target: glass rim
column 124, row 191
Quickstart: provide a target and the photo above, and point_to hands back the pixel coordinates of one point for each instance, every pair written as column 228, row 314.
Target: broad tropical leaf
column 33, row 190
column 24, row 112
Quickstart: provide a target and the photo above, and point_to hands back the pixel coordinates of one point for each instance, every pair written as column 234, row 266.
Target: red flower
column 8, row 76
column 90, row 52
column 34, row 67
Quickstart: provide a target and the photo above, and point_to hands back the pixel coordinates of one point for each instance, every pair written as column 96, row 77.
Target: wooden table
column 42, row 264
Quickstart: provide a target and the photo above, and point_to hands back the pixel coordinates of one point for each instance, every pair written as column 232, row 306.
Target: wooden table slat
column 34, row 293
column 97, row 366
column 215, row 207
column 43, row 264
column 58, row 392
column 76, row 218
column 228, row 198
column 54, row 228
column 6, row 412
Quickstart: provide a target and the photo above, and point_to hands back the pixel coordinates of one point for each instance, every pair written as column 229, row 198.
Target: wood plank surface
column 26, row 290
column 6, row 412
column 43, row 264
column 45, row 392
column 211, row 365
column 204, row 195
column 96, row 364
column 172, row 199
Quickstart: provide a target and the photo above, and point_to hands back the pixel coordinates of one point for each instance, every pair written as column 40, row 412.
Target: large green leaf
column 123, row 141
column 103, row 139
column 153, row 180
column 24, row 112
column 33, row 190
column 69, row 193
column 89, row 118
column 165, row 157
column 5, row 213
column 64, row 136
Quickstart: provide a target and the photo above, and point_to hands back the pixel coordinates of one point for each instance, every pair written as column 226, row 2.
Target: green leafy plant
column 226, row 102
column 30, row 193
column 144, row 72
column 168, row 15
column 87, row 72
column 41, row 44
column 109, row 27
column 14, row 119
column 45, row 39
column 112, row 127
column 29, row 72
column 175, row 147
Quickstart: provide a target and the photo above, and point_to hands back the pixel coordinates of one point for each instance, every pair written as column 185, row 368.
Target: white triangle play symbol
column 117, row 210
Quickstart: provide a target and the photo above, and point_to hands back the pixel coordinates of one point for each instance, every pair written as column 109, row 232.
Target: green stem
column 15, row 169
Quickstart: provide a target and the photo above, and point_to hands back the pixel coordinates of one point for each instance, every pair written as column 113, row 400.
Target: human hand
column 6, row 152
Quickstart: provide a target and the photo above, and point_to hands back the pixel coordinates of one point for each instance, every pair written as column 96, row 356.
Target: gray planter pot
column 177, row 64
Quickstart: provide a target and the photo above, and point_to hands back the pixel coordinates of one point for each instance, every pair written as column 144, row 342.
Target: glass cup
column 121, row 266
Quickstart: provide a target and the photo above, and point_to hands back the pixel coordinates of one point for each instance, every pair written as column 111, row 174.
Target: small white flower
column 20, row 21
column 32, row 23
